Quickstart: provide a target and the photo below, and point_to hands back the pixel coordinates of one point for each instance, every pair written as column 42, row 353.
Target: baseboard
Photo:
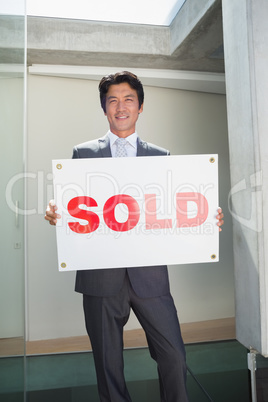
column 194, row 332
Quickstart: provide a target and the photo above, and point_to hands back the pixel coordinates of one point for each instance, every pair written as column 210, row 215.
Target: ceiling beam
column 185, row 80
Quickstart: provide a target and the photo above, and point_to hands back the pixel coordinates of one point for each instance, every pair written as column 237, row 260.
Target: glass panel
column 12, row 111
column 106, row 10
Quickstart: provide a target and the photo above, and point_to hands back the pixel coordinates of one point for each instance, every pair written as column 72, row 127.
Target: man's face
column 122, row 109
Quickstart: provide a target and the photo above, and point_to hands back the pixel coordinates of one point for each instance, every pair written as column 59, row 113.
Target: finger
column 220, row 219
column 52, row 205
column 52, row 217
column 52, row 221
column 52, row 214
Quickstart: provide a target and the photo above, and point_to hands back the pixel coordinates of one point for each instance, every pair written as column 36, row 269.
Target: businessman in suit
column 110, row 294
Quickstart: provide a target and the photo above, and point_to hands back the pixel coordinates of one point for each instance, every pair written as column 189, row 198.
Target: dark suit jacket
column 146, row 281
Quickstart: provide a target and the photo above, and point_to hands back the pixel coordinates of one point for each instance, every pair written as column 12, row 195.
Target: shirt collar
column 131, row 139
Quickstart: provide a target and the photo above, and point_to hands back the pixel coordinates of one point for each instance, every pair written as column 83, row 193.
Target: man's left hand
column 220, row 217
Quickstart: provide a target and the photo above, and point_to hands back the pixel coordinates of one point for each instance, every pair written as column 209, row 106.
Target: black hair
column 118, row 78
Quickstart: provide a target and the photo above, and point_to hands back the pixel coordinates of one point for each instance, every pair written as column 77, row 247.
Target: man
column 109, row 294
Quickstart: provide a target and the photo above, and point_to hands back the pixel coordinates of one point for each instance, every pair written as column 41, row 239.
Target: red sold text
column 151, row 219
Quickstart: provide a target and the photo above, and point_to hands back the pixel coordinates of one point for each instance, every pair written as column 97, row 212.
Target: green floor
column 221, row 369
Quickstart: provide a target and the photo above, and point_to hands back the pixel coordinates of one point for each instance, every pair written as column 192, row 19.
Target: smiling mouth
column 121, row 117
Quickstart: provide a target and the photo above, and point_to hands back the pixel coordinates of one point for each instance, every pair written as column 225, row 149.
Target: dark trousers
column 105, row 318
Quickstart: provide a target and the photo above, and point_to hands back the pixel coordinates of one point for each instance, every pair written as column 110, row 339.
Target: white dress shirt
column 131, row 145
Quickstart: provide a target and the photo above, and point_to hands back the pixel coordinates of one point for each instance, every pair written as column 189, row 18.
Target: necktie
column 120, row 148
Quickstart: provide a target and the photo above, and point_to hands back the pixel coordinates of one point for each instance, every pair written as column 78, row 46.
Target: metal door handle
column 17, row 214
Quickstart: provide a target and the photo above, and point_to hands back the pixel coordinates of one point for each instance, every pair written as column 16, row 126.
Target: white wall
column 63, row 112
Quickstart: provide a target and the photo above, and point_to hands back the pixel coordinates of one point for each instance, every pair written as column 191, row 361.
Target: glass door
column 12, row 273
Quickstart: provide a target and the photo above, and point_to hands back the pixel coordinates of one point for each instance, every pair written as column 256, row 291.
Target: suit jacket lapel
column 104, row 144
column 142, row 148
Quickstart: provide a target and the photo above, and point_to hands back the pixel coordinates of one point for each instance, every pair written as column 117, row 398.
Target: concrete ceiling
column 76, row 42
column 193, row 42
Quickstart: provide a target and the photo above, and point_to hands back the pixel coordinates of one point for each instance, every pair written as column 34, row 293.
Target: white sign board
column 129, row 212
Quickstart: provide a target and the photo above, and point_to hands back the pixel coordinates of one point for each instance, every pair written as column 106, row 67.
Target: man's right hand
column 51, row 215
